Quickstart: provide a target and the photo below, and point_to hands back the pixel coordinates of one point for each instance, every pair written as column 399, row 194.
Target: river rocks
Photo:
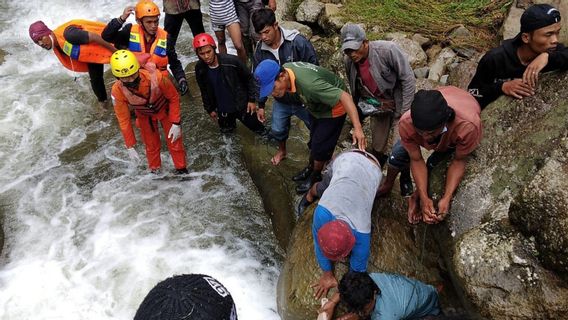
column 309, row 11
column 504, row 278
column 461, row 75
column 438, row 67
column 421, row 73
column 304, row 30
column 416, row 56
column 421, row 40
column 330, row 19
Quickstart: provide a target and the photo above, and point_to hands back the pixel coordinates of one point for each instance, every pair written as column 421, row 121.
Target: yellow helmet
column 123, row 63
column 146, row 8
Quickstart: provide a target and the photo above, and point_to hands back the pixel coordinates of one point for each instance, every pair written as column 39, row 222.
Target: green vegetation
column 432, row 18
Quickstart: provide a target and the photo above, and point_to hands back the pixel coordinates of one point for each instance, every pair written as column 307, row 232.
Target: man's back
column 403, row 298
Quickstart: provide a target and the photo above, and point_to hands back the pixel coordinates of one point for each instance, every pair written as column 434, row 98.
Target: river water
column 88, row 233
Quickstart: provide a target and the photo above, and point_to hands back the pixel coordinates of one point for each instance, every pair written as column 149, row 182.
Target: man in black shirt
column 512, row 69
column 227, row 87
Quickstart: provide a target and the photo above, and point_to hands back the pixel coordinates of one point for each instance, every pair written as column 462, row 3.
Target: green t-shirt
column 318, row 89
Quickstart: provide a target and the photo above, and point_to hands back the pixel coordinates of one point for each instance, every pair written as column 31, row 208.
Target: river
column 88, row 233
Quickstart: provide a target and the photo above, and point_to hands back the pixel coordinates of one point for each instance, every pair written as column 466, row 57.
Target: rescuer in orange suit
column 79, row 47
column 153, row 98
column 143, row 37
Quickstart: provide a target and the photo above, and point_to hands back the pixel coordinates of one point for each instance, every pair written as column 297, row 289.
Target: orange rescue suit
column 157, row 50
column 155, row 100
column 76, row 57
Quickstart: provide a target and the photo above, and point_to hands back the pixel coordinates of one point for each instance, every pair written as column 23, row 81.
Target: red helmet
column 202, row 40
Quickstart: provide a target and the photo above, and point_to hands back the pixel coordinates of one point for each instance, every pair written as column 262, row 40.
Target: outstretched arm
column 358, row 135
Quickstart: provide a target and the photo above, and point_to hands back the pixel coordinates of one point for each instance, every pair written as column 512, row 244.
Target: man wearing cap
column 513, row 68
column 189, row 297
column 342, row 219
column 79, row 47
column 282, row 46
column 447, row 121
column 379, row 70
column 326, row 99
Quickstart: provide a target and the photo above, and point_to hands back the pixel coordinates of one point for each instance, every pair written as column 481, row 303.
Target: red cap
column 37, row 30
column 336, row 240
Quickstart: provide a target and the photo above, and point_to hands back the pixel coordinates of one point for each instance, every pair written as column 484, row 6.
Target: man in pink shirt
column 447, row 121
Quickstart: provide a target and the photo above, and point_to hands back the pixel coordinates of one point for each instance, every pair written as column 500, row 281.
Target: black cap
column 539, row 16
column 429, row 110
column 187, row 297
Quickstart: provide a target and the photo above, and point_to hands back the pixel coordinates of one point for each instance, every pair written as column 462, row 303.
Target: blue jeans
column 281, row 114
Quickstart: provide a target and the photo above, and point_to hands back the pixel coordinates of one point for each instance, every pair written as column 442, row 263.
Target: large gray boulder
column 416, row 55
column 309, row 11
column 514, row 185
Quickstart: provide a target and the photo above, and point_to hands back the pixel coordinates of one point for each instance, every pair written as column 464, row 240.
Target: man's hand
column 326, row 282
column 260, row 115
column 251, row 107
column 428, row 211
column 517, row 89
column 272, row 5
column 329, row 306
column 359, row 139
column 213, row 116
column 126, row 13
column 532, row 71
column 443, row 208
column 175, row 132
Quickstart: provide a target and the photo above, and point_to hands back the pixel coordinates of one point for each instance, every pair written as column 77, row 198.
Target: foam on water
column 88, row 233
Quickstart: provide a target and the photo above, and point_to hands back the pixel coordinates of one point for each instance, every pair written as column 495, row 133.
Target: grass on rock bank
column 432, row 18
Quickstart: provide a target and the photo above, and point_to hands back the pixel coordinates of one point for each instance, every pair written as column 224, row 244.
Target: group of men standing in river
column 382, row 85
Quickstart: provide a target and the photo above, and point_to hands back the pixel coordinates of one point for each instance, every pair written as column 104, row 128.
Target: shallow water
column 88, row 233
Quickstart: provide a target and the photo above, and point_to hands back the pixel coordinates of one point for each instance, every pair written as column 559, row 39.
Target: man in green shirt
column 325, row 97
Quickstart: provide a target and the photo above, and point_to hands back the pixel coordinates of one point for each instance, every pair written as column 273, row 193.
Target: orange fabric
column 89, row 53
column 464, row 132
column 161, row 35
column 337, row 110
column 150, row 134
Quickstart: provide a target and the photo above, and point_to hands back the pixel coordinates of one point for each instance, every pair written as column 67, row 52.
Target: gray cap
column 352, row 36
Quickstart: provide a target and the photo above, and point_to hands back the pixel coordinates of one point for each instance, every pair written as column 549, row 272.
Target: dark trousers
column 172, row 25
column 96, row 72
column 400, row 159
column 228, row 121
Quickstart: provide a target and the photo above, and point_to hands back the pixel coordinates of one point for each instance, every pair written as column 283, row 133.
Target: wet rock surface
column 508, row 219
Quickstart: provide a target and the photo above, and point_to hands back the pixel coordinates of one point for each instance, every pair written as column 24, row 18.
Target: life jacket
column 76, row 57
column 151, row 103
column 157, row 50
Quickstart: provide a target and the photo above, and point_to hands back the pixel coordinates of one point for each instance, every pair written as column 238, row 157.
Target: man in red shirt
column 447, row 121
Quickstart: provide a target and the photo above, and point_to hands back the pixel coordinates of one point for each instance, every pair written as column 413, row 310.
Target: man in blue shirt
column 384, row 296
column 342, row 220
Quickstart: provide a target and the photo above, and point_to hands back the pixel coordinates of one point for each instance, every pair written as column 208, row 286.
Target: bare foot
column 414, row 214
column 279, row 156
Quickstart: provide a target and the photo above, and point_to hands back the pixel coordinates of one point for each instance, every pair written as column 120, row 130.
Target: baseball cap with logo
column 539, row 16
column 352, row 36
column 189, row 297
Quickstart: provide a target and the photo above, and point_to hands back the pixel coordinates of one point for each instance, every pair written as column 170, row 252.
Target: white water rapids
column 87, row 233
